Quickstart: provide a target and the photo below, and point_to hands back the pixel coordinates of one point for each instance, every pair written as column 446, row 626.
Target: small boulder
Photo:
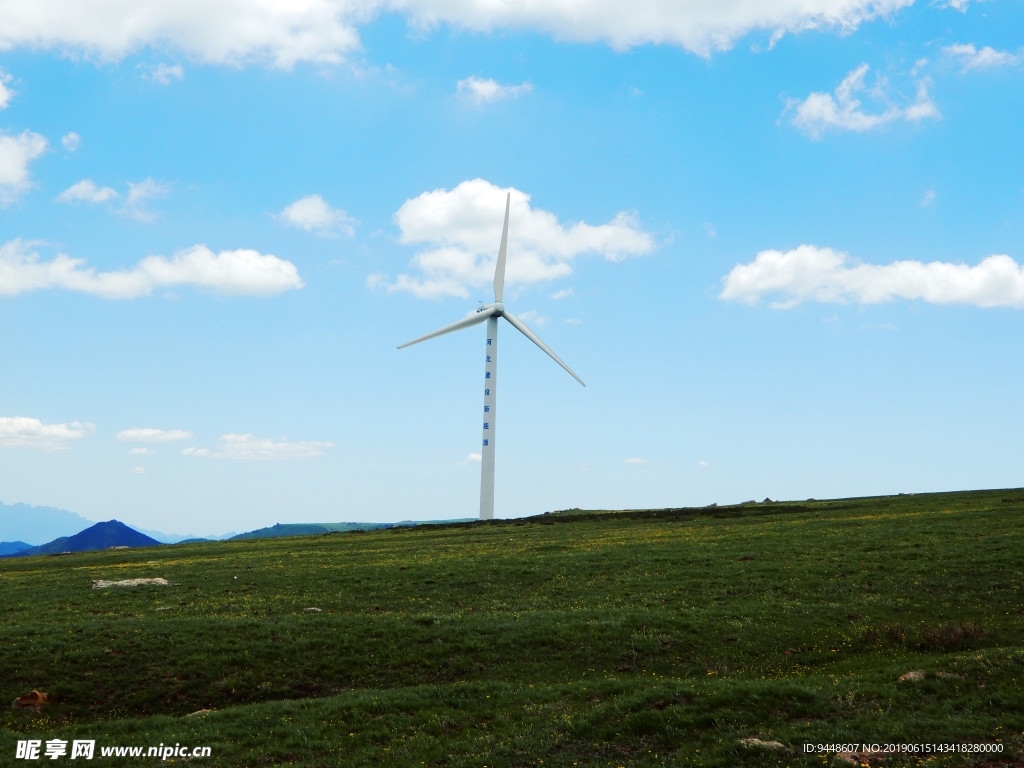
column 912, row 676
column 759, row 744
column 103, row 584
column 33, row 701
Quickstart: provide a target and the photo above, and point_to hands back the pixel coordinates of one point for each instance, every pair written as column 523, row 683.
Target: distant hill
column 311, row 529
column 100, row 536
column 308, row 529
column 36, row 525
column 10, row 547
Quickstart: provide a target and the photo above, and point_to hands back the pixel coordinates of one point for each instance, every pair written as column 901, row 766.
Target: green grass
column 640, row 638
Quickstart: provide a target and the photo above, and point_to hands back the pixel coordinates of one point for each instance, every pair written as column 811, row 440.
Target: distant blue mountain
column 38, row 525
column 166, row 538
column 112, row 533
column 10, row 547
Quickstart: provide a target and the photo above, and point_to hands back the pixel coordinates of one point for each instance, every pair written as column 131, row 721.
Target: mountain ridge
column 112, row 533
column 38, row 525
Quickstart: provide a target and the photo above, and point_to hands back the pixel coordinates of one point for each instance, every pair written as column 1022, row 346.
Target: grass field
column 644, row 638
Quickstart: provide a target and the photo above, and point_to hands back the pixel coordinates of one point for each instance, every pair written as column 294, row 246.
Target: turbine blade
column 499, row 270
column 519, row 324
column 456, row 326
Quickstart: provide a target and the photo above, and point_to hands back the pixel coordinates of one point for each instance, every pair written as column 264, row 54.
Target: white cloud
column 810, row 273
column 151, row 435
column 71, row 141
column 165, row 74
column 141, row 452
column 462, row 228
column 703, row 464
column 562, row 294
column 279, row 33
column 134, row 207
column 710, row 231
column 928, row 199
column 987, row 58
column 843, row 110
column 635, row 461
column 480, row 91
column 241, row 272
column 313, row 214
column 25, row 432
column 6, row 94
column 86, row 191
column 573, row 321
column 138, row 194
column 250, row 447
column 139, row 471
column 282, row 33
column 16, row 152
column 699, row 27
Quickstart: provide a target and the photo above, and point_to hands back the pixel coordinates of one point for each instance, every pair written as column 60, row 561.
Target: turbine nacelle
column 496, row 309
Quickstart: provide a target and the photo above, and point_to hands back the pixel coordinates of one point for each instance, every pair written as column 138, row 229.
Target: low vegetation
column 722, row 637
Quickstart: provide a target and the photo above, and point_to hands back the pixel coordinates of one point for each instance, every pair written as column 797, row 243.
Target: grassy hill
column 642, row 638
column 312, row 529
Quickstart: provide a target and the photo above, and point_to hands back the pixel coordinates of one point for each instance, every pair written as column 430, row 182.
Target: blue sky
column 781, row 242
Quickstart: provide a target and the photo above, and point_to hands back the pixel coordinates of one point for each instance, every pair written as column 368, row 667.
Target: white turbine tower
column 491, row 313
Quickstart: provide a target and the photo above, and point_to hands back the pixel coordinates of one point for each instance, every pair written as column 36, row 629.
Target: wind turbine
column 491, row 313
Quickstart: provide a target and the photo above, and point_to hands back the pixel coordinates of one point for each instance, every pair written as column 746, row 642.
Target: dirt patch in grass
column 938, row 637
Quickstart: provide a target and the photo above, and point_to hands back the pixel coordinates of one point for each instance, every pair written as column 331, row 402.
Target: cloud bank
column 239, row 273
column 151, row 435
column 810, row 273
column 280, row 33
column 26, row 432
column 283, row 33
column 252, row 448
column 696, row 25
column 461, row 228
